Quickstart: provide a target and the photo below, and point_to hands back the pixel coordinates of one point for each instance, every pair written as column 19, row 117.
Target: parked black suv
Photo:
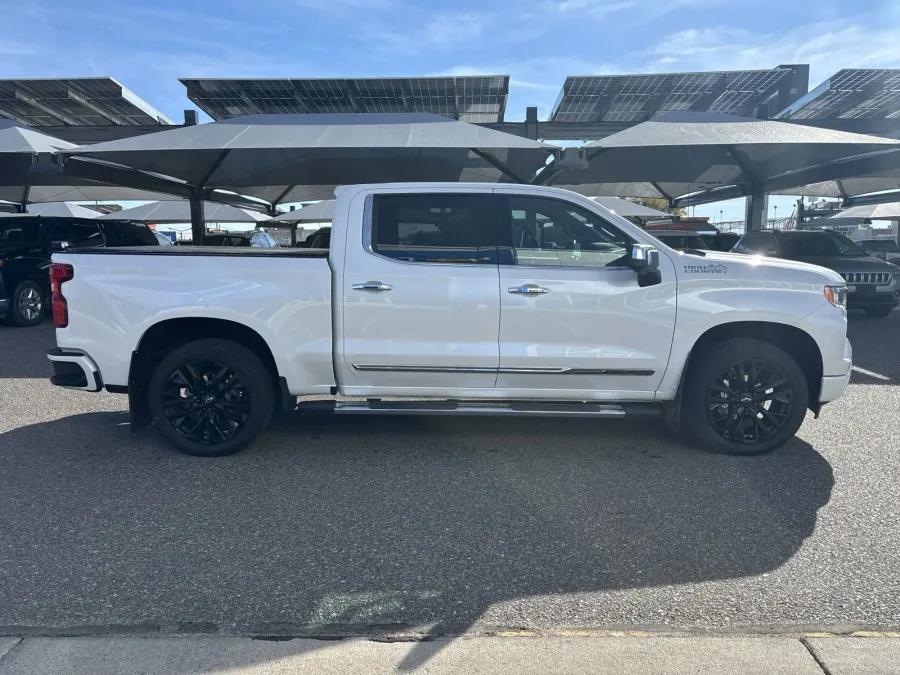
column 872, row 284
column 26, row 244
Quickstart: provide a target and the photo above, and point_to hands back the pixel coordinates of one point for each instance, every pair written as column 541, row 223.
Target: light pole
column 775, row 219
column 720, row 217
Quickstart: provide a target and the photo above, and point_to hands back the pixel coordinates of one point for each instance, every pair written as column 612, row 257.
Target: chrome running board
column 495, row 408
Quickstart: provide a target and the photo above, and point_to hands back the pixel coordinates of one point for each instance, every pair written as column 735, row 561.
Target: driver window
column 549, row 231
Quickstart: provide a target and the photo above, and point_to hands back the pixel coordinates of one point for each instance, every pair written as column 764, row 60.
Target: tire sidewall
column 14, row 316
column 695, row 420
column 256, row 378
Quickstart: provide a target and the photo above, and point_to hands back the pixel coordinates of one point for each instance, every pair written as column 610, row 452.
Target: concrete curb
column 748, row 655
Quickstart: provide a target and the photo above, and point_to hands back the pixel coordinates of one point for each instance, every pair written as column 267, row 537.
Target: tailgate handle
column 374, row 286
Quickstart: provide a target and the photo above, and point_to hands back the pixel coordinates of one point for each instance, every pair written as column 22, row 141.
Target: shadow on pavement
column 23, row 351
column 876, row 349
column 356, row 526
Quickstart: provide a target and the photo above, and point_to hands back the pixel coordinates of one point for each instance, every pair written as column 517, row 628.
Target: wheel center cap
column 209, row 399
column 746, row 399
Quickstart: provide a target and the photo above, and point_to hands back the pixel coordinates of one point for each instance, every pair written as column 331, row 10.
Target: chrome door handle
column 528, row 289
column 375, row 286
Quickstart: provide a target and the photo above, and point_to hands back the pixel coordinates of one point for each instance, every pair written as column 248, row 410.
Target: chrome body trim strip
column 637, row 372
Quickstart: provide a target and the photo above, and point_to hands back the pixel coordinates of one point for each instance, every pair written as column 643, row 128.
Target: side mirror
column 643, row 256
column 57, row 246
column 645, row 261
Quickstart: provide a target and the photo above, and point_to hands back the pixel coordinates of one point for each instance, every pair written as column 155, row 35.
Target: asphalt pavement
column 434, row 526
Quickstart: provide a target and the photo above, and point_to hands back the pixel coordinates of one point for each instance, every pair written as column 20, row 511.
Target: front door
column 574, row 322
column 421, row 301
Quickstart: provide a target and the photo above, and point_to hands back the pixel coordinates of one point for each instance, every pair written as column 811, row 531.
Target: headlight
column 837, row 296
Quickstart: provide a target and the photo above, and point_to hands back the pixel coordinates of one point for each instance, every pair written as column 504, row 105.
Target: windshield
column 825, row 245
column 888, row 245
column 127, row 233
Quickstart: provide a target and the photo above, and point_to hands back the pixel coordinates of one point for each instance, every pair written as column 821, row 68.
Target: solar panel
column 636, row 98
column 852, row 93
column 89, row 101
column 478, row 98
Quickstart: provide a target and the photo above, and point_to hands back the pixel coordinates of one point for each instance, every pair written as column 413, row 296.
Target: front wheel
column 26, row 307
column 879, row 312
column 744, row 397
column 211, row 397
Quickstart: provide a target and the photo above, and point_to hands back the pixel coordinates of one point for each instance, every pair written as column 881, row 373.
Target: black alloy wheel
column 206, row 402
column 743, row 396
column 26, row 305
column 749, row 401
column 211, row 397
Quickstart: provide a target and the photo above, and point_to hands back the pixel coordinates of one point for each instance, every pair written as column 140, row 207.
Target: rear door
column 421, row 301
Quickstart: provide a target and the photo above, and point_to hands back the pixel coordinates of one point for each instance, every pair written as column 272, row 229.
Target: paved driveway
column 434, row 525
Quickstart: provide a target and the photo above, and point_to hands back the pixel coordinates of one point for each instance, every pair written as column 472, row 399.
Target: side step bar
column 496, row 408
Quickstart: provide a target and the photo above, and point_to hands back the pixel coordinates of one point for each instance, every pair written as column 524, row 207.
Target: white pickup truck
column 454, row 299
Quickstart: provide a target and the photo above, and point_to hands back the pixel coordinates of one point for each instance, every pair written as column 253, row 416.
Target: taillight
column 59, row 273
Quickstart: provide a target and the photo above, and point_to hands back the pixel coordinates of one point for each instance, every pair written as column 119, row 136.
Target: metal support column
column 757, row 208
column 198, row 218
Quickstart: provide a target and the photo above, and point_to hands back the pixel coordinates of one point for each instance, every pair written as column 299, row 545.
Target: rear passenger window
column 433, row 228
column 85, row 235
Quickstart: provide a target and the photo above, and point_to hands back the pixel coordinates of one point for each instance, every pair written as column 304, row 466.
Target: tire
column 751, row 414
column 26, row 305
column 879, row 312
column 190, row 386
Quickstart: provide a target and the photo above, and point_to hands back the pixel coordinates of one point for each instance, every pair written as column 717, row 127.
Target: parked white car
column 512, row 300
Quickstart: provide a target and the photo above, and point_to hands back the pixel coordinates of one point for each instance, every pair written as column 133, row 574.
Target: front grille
column 866, row 277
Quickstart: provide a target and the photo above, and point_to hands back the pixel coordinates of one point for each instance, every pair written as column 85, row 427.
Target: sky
column 148, row 46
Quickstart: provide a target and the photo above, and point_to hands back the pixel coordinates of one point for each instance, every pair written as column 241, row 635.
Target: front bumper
column 888, row 296
column 4, row 307
column 73, row 369
column 833, row 386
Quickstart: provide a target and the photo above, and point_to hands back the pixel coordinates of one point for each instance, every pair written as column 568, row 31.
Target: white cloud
column 597, row 8
column 826, row 46
column 447, row 30
column 17, row 49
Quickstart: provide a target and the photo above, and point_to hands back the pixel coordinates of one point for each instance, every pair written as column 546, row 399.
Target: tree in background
column 659, row 204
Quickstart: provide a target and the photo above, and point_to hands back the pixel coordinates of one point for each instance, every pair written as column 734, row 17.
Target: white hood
column 758, row 268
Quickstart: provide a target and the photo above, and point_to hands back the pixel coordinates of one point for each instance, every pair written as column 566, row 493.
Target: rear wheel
column 26, row 307
column 879, row 312
column 211, row 397
column 744, row 397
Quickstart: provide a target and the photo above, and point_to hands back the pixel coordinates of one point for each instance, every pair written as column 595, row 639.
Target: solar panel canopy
column 851, row 93
column 636, row 98
column 84, row 101
column 478, row 99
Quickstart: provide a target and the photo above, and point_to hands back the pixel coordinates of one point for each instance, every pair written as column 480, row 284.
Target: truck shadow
column 352, row 526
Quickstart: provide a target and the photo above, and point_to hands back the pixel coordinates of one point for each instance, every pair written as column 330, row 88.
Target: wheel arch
column 169, row 334
column 797, row 343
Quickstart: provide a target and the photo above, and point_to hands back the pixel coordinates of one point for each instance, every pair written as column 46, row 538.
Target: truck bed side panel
column 114, row 299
